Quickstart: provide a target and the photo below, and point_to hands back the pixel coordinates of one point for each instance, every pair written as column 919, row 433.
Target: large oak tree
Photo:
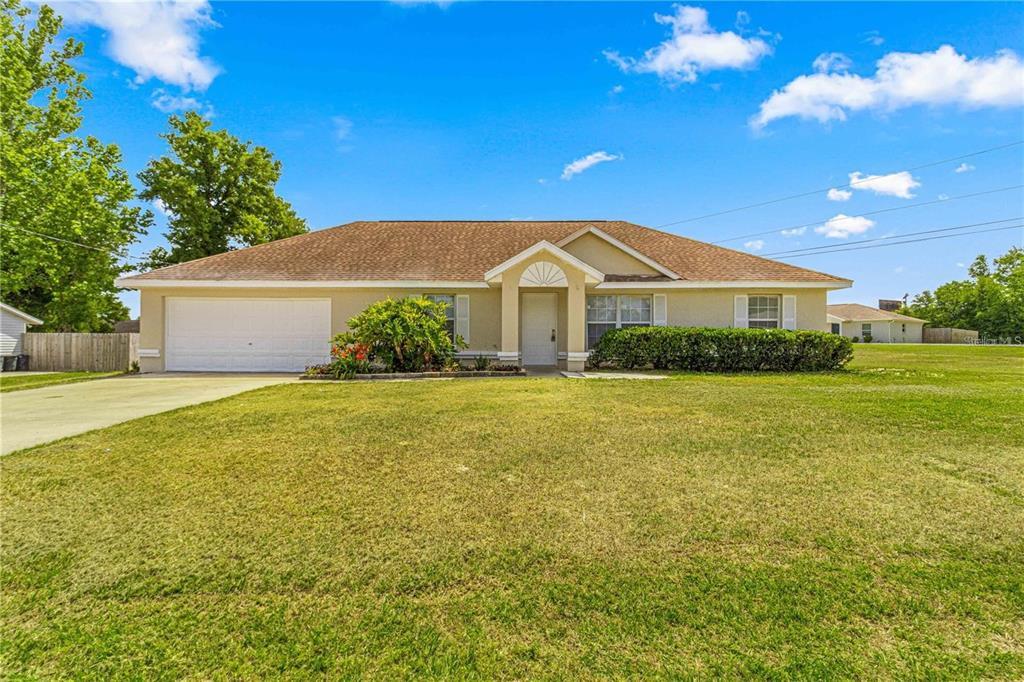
column 218, row 192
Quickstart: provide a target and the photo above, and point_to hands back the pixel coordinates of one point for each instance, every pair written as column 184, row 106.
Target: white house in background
column 13, row 324
column 856, row 320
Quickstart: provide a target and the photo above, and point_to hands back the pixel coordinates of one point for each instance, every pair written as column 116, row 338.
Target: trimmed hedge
column 706, row 349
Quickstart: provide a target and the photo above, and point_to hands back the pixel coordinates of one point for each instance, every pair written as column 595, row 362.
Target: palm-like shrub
column 404, row 334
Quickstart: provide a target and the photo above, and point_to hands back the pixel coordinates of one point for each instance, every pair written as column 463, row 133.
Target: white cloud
column 169, row 103
column 157, row 39
column 899, row 269
column 964, row 168
column 617, row 89
column 839, row 194
column 542, row 181
column 842, row 226
column 588, row 161
column 893, row 185
column 693, row 48
column 873, row 38
column 832, row 62
column 161, row 208
column 342, row 127
column 754, row 245
column 961, row 265
column 943, row 197
column 795, row 232
column 901, row 79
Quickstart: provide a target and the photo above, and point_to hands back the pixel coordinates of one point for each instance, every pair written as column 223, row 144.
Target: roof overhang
column 17, row 313
column 725, row 284
column 591, row 274
column 136, row 283
column 601, row 234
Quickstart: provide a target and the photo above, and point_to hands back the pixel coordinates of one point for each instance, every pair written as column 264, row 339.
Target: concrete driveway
column 40, row 415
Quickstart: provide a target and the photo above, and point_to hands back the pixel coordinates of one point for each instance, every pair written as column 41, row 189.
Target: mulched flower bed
column 391, row 376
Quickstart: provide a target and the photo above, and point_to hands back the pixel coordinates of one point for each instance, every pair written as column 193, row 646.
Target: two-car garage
column 246, row 334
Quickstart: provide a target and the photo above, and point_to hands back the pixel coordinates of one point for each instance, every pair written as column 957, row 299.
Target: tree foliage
column 218, row 193
column 57, row 190
column 990, row 301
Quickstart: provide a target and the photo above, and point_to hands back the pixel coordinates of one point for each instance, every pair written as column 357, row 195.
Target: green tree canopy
column 65, row 218
column 990, row 301
column 218, row 193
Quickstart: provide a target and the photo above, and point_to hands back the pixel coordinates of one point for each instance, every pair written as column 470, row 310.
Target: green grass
column 19, row 382
column 868, row 524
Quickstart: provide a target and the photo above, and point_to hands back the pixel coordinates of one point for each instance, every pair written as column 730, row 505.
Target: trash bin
column 22, row 364
column 10, row 362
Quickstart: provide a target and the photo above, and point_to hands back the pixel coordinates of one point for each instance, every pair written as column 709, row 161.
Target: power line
column 825, row 189
column 74, row 243
column 876, row 212
column 828, row 247
column 910, row 241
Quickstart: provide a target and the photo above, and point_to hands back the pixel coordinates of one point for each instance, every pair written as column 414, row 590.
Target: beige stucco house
column 854, row 320
column 527, row 292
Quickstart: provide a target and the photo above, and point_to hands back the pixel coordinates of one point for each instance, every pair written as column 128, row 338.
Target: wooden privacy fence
column 948, row 335
column 81, row 352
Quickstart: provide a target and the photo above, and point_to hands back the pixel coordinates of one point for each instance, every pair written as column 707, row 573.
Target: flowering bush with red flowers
column 349, row 358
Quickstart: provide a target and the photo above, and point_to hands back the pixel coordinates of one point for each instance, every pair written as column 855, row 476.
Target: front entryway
column 540, row 320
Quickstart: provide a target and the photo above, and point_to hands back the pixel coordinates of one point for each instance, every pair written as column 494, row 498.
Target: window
column 449, row 311
column 763, row 312
column 836, row 329
column 612, row 312
column 865, row 329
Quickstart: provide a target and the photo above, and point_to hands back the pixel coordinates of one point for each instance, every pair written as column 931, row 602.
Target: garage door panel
column 247, row 335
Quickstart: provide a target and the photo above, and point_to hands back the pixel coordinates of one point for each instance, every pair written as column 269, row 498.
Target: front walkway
column 40, row 415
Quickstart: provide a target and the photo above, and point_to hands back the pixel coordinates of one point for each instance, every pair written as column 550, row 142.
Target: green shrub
column 703, row 349
column 403, row 334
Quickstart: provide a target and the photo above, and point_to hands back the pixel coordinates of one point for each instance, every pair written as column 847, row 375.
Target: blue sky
column 477, row 110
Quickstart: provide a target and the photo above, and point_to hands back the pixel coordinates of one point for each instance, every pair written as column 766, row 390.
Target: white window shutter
column 789, row 312
column 660, row 310
column 740, row 311
column 462, row 316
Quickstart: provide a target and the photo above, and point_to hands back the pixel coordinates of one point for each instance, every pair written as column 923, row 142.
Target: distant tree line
column 69, row 211
column 990, row 301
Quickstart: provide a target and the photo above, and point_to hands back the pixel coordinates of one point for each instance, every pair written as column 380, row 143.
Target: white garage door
column 246, row 334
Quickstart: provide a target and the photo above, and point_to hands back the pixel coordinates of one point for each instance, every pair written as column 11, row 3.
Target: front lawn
column 868, row 524
column 18, row 382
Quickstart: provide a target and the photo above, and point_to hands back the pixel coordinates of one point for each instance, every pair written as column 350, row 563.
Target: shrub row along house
column 526, row 292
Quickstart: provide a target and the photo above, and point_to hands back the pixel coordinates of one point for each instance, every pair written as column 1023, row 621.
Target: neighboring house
column 13, row 324
column 126, row 327
column 856, row 320
column 527, row 292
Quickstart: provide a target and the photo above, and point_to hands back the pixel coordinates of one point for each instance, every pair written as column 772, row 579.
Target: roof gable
column 11, row 310
column 592, row 274
column 612, row 256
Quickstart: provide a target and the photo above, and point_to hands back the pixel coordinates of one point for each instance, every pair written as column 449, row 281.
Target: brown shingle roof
column 855, row 312
column 461, row 251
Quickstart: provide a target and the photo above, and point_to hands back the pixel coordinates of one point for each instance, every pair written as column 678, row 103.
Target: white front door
column 540, row 320
column 246, row 334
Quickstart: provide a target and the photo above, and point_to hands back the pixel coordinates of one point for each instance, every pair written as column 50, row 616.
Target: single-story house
column 13, row 324
column 857, row 321
column 526, row 292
